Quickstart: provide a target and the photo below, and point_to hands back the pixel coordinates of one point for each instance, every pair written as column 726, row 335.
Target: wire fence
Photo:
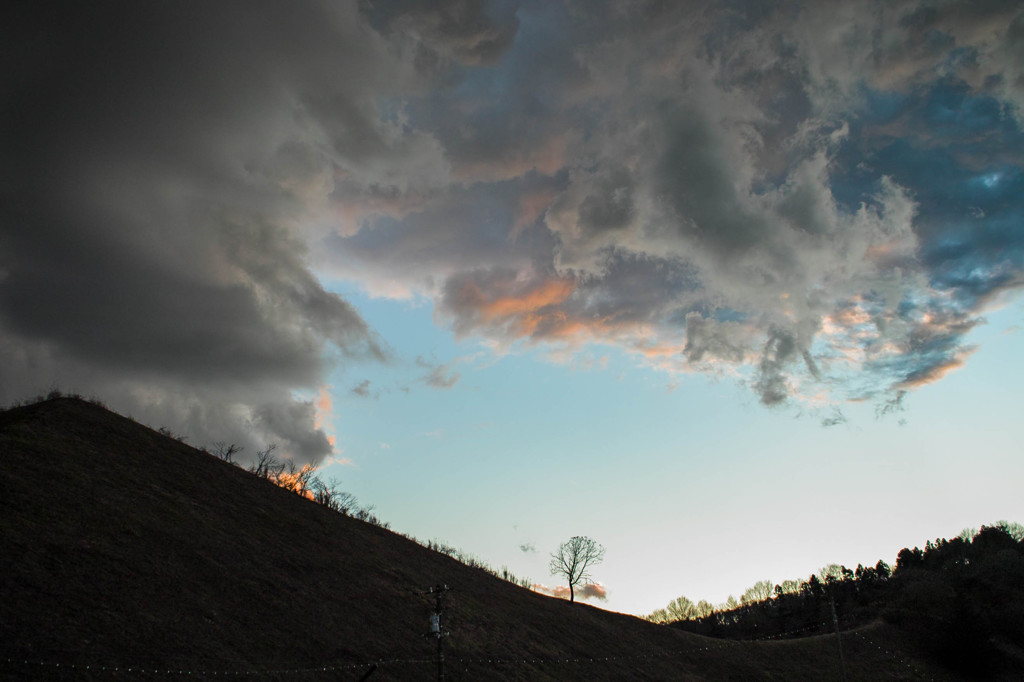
column 891, row 654
column 27, row 665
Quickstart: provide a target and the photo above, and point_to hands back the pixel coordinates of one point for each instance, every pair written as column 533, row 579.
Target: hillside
column 123, row 547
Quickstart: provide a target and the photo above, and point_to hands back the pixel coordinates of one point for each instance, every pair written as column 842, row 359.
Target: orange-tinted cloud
column 549, row 293
column 588, row 591
column 930, row 375
column 324, row 406
column 520, row 309
column 660, row 350
column 593, row 591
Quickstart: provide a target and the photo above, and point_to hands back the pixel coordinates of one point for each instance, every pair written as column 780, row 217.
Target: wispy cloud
column 834, row 419
column 362, row 389
column 440, row 375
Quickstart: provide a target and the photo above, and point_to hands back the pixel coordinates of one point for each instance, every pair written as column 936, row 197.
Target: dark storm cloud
column 610, row 205
column 292, row 426
column 510, row 114
column 158, row 162
column 471, row 31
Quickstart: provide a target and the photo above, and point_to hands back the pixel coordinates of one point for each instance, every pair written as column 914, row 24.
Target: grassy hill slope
column 123, row 547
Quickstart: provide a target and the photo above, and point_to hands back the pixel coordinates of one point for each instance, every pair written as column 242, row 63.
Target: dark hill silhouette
column 125, row 547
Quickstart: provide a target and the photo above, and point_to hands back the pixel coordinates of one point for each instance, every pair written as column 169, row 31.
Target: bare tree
column 296, row 479
column 227, row 452
column 267, row 465
column 332, row 496
column 760, row 591
column 660, row 616
column 573, row 558
column 682, row 609
column 1015, row 530
column 832, row 573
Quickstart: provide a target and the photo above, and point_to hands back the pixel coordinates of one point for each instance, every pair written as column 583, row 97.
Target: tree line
column 962, row 599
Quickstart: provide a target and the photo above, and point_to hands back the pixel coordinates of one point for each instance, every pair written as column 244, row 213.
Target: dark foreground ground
column 130, row 555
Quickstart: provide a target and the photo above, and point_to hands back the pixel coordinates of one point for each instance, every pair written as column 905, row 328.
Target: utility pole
column 435, row 626
column 835, row 622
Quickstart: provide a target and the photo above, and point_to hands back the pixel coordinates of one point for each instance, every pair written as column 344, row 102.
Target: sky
column 733, row 288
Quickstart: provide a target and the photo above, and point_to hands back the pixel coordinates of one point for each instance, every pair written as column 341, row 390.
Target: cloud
column 812, row 198
column 929, row 374
column 506, row 303
column 893, row 405
column 744, row 199
column 593, row 591
column 292, row 425
column 470, row 32
column 834, row 419
column 439, row 376
column 324, row 406
column 154, row 251
column 442, row 377
column 587, row 591
column 362, row 389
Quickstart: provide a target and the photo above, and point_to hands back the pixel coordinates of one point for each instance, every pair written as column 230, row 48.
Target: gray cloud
column 293, row 425
column 730, row 206
column 158, row 164
column 465, row 30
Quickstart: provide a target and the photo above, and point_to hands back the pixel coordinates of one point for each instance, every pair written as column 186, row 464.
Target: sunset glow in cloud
column 587, row 591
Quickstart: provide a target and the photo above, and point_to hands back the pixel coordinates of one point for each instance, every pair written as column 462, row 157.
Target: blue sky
column 733, row 288
column 693, row 486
